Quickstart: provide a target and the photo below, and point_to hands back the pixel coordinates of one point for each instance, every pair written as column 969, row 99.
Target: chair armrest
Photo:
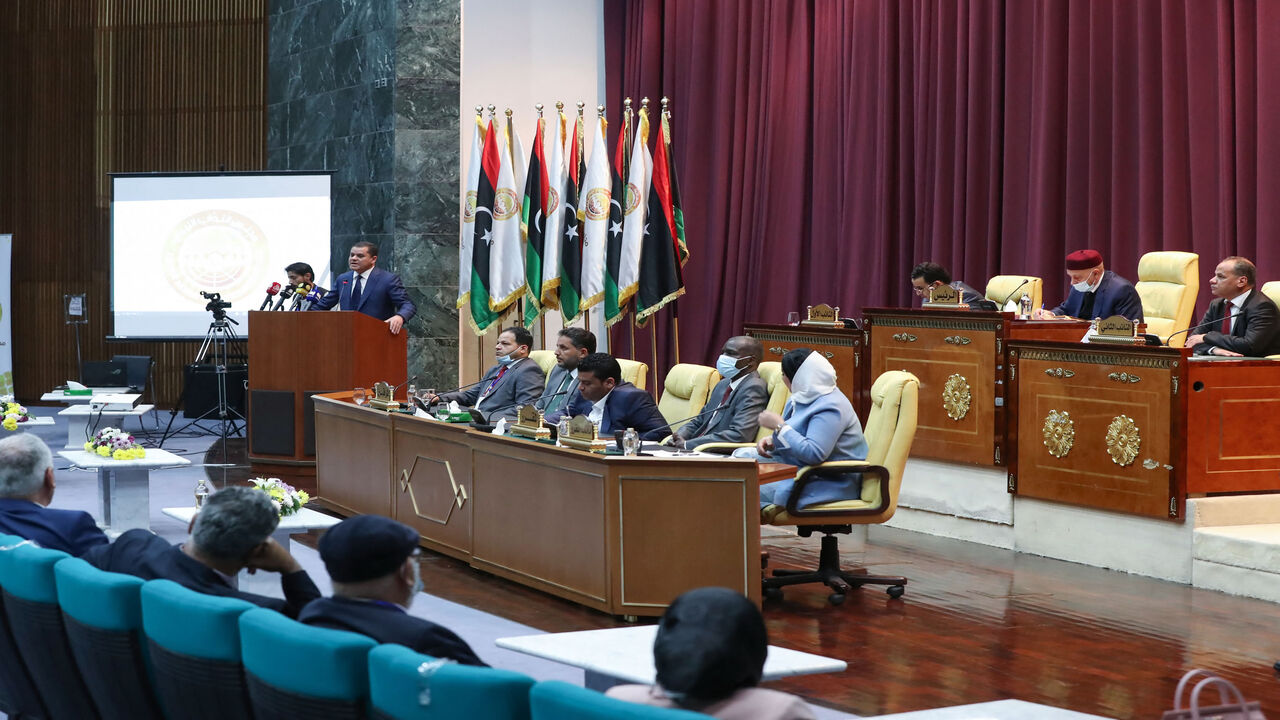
column 726, row 448
column 839, row 467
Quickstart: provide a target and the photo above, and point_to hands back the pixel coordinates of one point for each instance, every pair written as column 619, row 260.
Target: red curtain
column 825, row 146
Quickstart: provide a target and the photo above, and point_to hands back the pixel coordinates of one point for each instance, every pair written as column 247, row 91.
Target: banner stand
column 6, row 317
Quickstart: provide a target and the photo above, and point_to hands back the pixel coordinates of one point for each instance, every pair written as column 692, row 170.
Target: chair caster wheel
column 773, row 593
column 895, row 591
column 836, row 598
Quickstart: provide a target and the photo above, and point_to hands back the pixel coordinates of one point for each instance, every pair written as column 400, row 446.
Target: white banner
column 6, row 318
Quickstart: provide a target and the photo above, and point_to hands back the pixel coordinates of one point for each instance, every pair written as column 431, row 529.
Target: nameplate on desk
column 944, row 297
column 529, row 424
column 583, row 435
column 1115, row 329
column 382, row 399
column 822, row 315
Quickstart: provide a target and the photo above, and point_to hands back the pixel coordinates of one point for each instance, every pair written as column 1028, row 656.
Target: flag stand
column 653, row 347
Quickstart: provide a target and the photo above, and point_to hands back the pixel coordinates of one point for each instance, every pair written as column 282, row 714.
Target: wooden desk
column 843, row 347
column 623, row 535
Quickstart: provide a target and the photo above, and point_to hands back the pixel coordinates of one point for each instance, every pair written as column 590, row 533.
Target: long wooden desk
column 620, row 535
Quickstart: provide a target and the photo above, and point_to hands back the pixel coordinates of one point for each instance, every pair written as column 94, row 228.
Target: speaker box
column 201, row 393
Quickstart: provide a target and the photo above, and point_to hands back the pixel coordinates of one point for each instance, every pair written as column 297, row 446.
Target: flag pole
column 653, row 347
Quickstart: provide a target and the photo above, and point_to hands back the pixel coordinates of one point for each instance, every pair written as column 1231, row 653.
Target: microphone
column 705, row 411
column 298, row 295
column 271, row 293
column 1195, row 327
column 1015, row 292
column 461, row 387
column 544, row 400
column 312, row 298
column 285, row 294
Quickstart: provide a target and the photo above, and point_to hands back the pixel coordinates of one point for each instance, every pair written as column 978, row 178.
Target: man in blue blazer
column 1096, row 292
column 26, row 489
column 367, row 289
column 614, row 404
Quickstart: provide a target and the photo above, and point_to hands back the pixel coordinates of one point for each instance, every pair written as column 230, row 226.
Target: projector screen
column 174, row 236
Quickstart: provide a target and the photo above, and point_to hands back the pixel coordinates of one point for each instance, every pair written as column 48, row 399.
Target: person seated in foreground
column 373, row 563
column 514, row 381
column 611, row 403
column 817, row 425
column 1251, row 327
column 733, row 407
column 26, row 489
column 1096, row 292
column 709, row 655
column 232, row 532
column 929, row 275
column 572, row 345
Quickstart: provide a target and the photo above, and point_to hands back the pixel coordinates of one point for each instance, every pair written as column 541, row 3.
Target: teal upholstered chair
column 555, row 700
column 298, row 672
column 194, row 641
column 31, row 605
column 103, row 616
column 18, row 696
column 454, row 691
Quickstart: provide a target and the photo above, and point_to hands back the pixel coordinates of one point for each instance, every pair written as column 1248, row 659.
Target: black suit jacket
column 143, row 554
column 71, row 531
column 389, row 624
column 1256, row 332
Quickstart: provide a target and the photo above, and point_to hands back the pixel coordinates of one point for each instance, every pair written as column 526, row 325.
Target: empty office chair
column 1168, row 283
column 771, row 373
column 397, row 681
column 298, row 672
column 634, row 372
column 18, row 696
column 103, row 616
column 1272, row 290
column 890, row 429
column 1001, row 287
column 31, row 605
column 685, row 392
column 546, row 360
column 555, row 700
column 194, row 641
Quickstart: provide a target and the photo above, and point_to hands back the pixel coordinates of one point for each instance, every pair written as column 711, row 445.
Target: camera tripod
column 216, row 350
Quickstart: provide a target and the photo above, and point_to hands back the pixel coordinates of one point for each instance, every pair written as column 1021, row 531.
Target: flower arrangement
column 13, row 413
column 284, row 496
column 115, row 444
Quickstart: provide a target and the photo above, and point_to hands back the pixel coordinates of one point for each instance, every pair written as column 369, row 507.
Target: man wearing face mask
column 372, row 562
column 732, row 409
column 1096, row 292
column 514, row 381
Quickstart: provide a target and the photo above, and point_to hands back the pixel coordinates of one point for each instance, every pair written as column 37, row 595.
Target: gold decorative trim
column 826, row 337
column 904, row 337
column 828, row 354
column 1144, row 360
column 956, row 397
column 1124, row 440
column 957, row 340
column 1059, row 433
column 934, row 323
column 1124, row 377
column 1059, row 372
column 777, row 350
column 459, row 491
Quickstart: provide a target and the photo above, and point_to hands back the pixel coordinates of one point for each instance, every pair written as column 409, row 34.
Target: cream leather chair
column 685, row 392
column 634, row 372
column 1272, row 290
column 890, row 429
column 546, row 360
column 1168, row 283
column 1000, row 287
column 771, row 373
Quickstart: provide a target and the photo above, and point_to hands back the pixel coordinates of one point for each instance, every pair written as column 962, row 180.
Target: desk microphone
column 1195, row 327
column 271, row 293
column 707, row 411
column 460, row 387
column 543, row 400
column 1015, row 292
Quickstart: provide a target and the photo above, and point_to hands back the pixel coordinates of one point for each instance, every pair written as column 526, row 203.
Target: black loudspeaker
column 201, row 393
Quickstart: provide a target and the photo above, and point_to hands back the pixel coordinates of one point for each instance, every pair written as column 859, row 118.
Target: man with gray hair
column 230, row 533
column 26, row 489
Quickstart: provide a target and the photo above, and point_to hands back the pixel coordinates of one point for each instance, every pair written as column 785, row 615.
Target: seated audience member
column 1096, row 292
column 572, row 345
column 301, row 272
column 818, row 425
column 928, row 275
column 231, row 532
column 372, row 562
column 613, row 404
column 709, row 655
column 26, row 489
column 733, row 407
column 514, row 381
column 1251, row 328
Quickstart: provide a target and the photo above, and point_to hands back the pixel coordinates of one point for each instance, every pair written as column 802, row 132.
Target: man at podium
column 370, row 290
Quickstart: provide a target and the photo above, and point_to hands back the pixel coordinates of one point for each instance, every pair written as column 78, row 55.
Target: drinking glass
column 631, row 442
column 360, row 396
column 793, row 318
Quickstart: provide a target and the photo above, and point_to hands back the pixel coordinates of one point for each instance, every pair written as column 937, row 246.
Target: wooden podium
column 295, row 355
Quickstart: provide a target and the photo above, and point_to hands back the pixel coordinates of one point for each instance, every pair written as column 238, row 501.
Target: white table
column 124, row 486
column 996, row 710
column 33, row 421
column 57, row 396
column 79, row 416
column 625, row 655
column 299, row 522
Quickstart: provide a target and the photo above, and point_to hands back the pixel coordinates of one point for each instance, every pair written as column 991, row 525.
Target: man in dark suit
column 26, row 489
column 1252, row 325
column 372, row 562
column 614, row 404
column 367, row 289
column 734, row 405
column 1096, row 292
column 929, row 275
column 572, row 345
column 230, row 533
column 514, row 381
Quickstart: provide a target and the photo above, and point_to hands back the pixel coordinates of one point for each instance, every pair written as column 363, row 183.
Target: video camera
column 217, row 306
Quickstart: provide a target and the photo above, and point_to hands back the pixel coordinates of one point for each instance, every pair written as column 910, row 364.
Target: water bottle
column 202, row 493
column 411, row 393
column 1024, row 307
column 630, row 442
column 562, row 428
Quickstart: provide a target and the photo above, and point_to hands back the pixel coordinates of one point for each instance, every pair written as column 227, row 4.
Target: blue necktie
column 355, row 294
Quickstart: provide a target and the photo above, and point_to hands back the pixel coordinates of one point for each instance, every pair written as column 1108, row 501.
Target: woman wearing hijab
column 817, row 425
column 709, row 654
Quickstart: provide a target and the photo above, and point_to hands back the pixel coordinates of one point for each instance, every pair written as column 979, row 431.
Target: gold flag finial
column 479, row 110
column 644, row 103
column 538, row 107
column 627, row 103
column 508, row 113
column 492, row 111
column 559, row 105
column 581, row 105
column 665, row 103
column 600, row 110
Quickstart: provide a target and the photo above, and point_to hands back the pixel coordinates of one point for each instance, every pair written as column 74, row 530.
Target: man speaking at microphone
column 514, row 381
column 616, row 405
column 370, row 290
column 1241, row 321
column 738, row 399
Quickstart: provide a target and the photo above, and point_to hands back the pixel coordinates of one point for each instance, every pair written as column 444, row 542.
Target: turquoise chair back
column 18, row 694
column 555, row 700
column 454, row 691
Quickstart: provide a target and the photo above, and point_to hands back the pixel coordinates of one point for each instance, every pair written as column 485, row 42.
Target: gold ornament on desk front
column 1059, row 433
column 584, row 435
column 529, row 424
column 1124, row 440
column 956, row 397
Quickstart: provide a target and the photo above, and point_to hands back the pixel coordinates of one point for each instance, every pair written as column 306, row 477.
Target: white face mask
column 1082, row 286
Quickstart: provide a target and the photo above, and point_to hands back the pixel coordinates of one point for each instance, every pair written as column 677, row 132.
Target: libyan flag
column 571, row 238
column 535, row 220
column 482, row 315
column 664, row 251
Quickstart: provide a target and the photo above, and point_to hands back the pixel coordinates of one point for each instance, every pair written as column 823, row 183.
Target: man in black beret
column 375, row 576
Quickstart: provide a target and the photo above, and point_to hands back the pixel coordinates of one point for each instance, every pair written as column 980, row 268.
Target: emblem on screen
column 216, row 250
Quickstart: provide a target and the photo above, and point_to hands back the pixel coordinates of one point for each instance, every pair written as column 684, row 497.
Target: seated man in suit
column 370, row 290
column 929, row 275
column 1096, row 292
column 230, row 533
column 733, row 407
column 514, row 381
column 572, row 345
column 1251, row 328
column 373, row 563
column 26, row 489
column 613, row 404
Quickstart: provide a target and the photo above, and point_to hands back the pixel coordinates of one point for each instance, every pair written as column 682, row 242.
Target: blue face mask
column 507, row 359
column 727, row 366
